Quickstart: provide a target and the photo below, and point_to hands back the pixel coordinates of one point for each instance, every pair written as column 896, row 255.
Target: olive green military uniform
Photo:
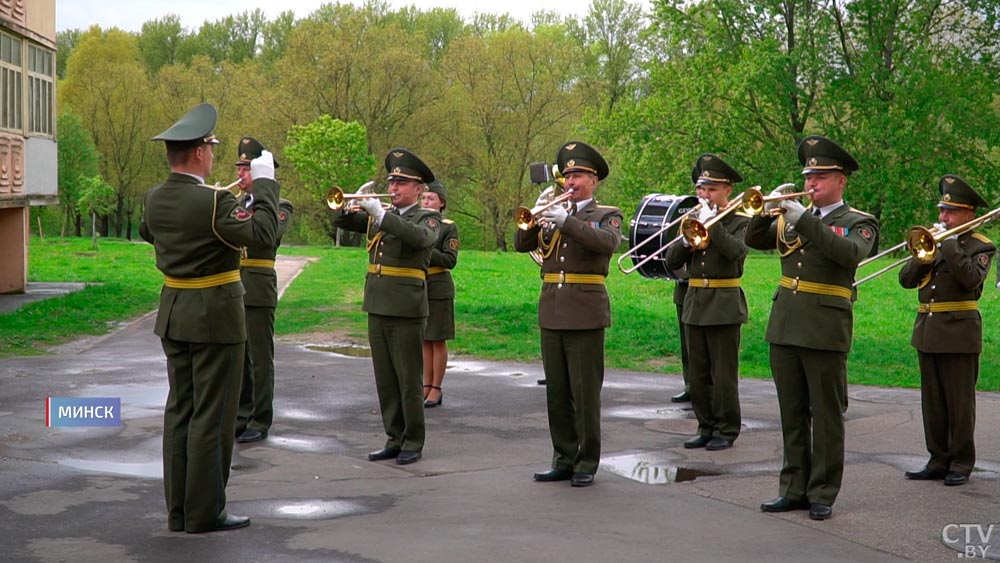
column 948, row 336
column 440, row 286
column 714, row 309
column 196, row 232
column 680, row 291
column 260, row 281
column 399, row 251
column 261, row 284
column 810, row 331
column 573, row 311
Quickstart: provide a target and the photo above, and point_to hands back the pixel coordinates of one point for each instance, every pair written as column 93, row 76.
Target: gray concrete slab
column 95, row 494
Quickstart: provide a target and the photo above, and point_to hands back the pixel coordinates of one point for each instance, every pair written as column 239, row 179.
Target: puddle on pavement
column 304, row 444
column 299, row 509
column 650, row 412
column 648, row 469
column 352, row 351
column 144, row 470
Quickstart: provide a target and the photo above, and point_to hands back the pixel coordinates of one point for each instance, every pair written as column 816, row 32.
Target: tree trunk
column 93, row 229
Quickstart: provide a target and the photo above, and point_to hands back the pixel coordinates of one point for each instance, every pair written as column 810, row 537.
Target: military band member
column 948, row 334
column 573, row 311
column 440, row 297
column 256, row 411
column 197, row 231
column 399, row 242
column 812, row 322
column 714, row 307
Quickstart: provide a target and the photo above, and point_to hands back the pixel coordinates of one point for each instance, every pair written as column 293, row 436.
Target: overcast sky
column 129, row 15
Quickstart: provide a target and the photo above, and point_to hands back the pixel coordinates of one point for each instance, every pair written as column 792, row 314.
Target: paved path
column 96, row 494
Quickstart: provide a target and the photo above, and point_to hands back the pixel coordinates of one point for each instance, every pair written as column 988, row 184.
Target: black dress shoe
column 784, row 504
column 384, row 453
column 698, row 441
column 716, row 444
column 251, row 435
column 407, row 457
column 682, row 397
column 553, row 475
column 582, row 480
column 231, row 522
column 924, row 474
column 819, row 511
column 431, row 404
column 954, row 478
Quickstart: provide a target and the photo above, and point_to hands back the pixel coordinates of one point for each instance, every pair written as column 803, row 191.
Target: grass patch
column 496, row 309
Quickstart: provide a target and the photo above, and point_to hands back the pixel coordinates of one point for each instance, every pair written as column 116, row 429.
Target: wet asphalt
column 95, row 494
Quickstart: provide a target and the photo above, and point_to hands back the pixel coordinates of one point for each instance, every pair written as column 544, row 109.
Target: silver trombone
column 630, row 252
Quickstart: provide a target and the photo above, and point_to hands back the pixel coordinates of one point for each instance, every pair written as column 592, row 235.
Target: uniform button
column 933, row 287
column 799, row 264
column 380, row 254
column 802, row 251
column 702, row 264
column 562, row 258
column 564, row 245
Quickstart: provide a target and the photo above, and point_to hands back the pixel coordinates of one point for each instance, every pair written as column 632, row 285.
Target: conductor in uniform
column 573, row 311
column 197, row 232
column 256, row 411
column 948, row 334
column 812, row 322
column 399, row 242
column 714, row 306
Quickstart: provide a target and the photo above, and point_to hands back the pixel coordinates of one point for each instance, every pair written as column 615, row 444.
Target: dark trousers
column 397, row 356
column 574, row 374
column 685, row 359
column 198, row 423
column 715, row 379
column 810, row 386
column 948, row 403
column 257, row 393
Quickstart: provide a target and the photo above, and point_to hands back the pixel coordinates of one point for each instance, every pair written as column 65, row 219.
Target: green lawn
column 495, row 309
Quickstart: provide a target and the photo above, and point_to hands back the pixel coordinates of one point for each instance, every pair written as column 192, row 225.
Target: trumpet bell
column 695, row 233
column 524, row 219
column 335, row 198
column 753, row 202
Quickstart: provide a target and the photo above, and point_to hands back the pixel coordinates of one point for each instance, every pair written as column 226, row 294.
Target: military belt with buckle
column 393, row 271
column 948, row 306
column 714, row 283
column 585, row 279
column 202, row 282
column 796, row 284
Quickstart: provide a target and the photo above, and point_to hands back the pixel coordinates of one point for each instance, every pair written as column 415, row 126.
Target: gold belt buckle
column 705, row 282
column 562, row 278
column 378, row 269
column 794, row 285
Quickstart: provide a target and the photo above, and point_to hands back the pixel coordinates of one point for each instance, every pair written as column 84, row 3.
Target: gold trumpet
column 238, row 191
column 336, row 199
column 526, row 218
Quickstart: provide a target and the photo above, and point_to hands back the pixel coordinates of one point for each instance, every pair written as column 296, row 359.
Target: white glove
column 772, row 205
column 545, row 196
column 365, row 187
column 262, row 166
column 372, row 206
column 706, row 211
column 793, row 210
column 940, row 227
column 556, row 214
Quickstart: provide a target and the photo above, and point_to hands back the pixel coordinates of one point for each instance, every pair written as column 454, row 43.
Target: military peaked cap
column 710, row 168
column 402, row 164
column 437, row 187
column 819, row 154
column 250, row 149
column 575, row 156
column 957, row 194
column 192, row 130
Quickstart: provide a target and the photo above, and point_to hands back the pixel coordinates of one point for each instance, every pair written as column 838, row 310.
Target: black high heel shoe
column 426, row 392
column 429, row 403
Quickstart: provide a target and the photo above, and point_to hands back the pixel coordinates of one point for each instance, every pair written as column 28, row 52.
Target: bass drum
column 655, row 212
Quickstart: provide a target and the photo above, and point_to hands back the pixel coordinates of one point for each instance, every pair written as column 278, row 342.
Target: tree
column 108, row 87
column 78, row 160
column 97, row 197
column 66, row 41
column 160, row 42
column 326, row 153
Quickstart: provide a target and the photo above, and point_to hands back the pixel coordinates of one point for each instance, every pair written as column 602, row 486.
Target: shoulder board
column 981, row 238
column 449, row 221
column 859, row 212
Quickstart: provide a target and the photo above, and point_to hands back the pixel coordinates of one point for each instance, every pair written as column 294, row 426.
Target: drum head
column 655, row 211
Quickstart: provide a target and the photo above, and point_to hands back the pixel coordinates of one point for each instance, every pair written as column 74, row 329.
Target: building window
column 10, row 82
column 41, row 93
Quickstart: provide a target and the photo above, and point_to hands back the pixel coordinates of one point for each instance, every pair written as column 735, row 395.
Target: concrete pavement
column 95, row 494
